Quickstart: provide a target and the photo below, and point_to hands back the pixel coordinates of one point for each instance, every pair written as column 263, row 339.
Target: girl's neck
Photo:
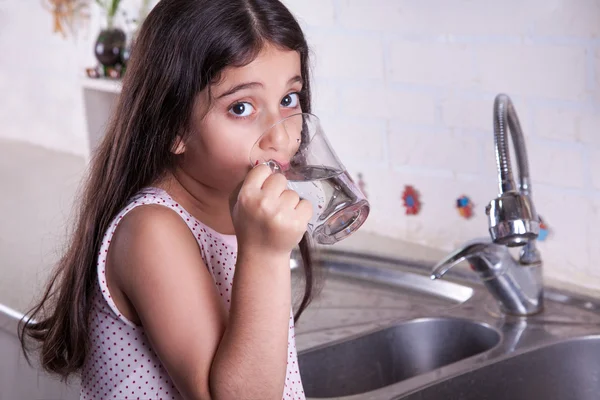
column 205, row 203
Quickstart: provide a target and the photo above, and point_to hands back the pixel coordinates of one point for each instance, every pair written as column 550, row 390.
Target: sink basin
column 453, row 343
column 566, row 370
column 382, row 358
column 359, row 296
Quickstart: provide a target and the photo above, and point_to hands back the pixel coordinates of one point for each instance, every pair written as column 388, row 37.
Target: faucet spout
column 505, row 118
column 513, row 220
column 517, row 285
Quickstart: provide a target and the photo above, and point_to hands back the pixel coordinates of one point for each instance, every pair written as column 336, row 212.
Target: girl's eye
column 291, row 100
column 241, row 110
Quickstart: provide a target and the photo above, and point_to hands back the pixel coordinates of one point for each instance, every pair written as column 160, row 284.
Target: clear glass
column 297, row 147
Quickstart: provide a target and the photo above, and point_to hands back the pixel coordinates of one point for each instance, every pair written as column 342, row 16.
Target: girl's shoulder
column 153, row 218
column 158, row 206
column 159, row 197
column 151, row 214
column 144, row 241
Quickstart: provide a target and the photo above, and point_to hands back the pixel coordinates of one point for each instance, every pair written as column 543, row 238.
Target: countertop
column 345, row 308
column 374, row 244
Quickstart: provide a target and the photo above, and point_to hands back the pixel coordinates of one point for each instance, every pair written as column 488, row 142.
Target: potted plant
column 111, row 40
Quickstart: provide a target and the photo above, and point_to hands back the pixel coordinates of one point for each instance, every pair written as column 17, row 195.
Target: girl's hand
column 267, row 216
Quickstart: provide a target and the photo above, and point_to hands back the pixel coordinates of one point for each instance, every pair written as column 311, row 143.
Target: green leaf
column 114, row 7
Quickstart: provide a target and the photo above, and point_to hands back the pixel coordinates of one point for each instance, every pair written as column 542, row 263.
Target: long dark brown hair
column 182, row 47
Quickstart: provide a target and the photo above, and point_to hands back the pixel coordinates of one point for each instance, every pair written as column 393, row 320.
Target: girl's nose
column 276, row 138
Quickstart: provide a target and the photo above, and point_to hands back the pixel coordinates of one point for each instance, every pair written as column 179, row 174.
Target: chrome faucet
column 517, row 285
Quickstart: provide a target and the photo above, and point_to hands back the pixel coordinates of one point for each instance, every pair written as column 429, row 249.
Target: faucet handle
column 484, row 256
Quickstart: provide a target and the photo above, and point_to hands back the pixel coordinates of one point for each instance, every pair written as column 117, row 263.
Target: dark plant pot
column 109, row 45
column 126, row 53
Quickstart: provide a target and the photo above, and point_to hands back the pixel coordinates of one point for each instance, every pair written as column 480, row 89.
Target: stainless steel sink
column 381, row 330
column 361, row 295
column 387, row 356
column 564, row 370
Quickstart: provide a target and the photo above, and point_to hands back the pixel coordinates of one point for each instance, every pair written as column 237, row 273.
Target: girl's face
column 243, row 105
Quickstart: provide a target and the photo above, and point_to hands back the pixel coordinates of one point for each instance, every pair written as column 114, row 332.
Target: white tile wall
column 405, row 90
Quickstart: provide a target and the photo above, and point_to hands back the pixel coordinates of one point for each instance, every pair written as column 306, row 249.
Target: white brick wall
column 589, row 127
column 384, row 102
column 313, row 12
column 350, row 131
column 412, row 147
column 335, row 56
column 467, row 113
column 557, row 164
column 549, row 71
column 435, row 17
column 568, row 251
column 433, row 64
column 427, row 73
column 578, row 18
column 596, row 74
column 593, row 233
column 558, row 124
column 594, row 159
column 405, row 90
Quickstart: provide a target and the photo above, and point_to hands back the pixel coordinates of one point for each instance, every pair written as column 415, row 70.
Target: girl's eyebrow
column 239, row 87
column 248, row 85
column 295, row 79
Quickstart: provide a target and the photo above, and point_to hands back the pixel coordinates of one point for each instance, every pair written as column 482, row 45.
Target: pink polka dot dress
column 120, row 362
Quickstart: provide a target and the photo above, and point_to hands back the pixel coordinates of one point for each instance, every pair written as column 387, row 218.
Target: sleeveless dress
column 120, row 363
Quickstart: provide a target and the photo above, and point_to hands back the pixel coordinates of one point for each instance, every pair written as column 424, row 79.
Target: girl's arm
column 156, row 261
column 155, row 266
column 252, row 357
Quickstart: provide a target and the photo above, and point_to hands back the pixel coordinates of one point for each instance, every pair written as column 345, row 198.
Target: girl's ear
column 179, row 146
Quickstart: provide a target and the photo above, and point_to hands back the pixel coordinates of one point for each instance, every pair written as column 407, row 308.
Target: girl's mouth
column 284, row 166
column 281, row 166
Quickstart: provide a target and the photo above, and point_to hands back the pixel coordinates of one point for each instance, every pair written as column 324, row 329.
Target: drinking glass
column 297, row 147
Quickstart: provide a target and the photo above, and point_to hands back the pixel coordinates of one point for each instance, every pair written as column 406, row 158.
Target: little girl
column 143, row 304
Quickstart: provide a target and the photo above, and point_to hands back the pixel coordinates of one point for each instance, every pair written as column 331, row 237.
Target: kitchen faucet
column 517, row 285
